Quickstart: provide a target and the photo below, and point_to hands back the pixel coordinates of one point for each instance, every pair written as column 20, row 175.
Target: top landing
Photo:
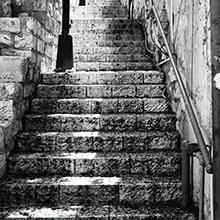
column 97, row 9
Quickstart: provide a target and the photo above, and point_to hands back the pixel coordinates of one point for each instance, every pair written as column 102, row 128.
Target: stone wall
column 28, row 42
column 189, row 30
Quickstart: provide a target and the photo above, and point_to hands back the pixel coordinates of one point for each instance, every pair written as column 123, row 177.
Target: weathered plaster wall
column 28, row 40
column 191, row 41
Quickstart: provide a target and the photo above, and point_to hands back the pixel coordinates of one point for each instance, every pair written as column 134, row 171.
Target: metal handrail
column 189, row 106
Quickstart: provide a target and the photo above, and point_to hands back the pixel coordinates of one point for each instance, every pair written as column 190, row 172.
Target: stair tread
column 95, row 134
column 83, row 180
column 93, row 156
column 152, row 115
column 99, row 212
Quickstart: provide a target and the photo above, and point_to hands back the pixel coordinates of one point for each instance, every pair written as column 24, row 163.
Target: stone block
column 27, row 165
column 108, row 143
column 29, row 90
column 55, row 165
column 155, row 122
column 156, row 105
column 6, row 40
column 125, row 91
column 102, row 166
column 154, row 77
column 11, row 25
column 136, row 194
column 118, row 123
column 11, row 91
column 130, row 106
column 5, row 8
column 47, row 193
column 25, row 42
column 104, row 106
column 97, row 91
column 46, row 91
column 53, row 78
column 168, row 192
column 151, row 91
column 71, row 106
column 13, row 69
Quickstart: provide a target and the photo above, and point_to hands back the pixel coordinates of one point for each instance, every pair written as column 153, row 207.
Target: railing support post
column 65, row 42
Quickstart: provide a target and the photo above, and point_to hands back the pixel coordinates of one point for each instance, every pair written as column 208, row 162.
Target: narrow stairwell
column 99, row 142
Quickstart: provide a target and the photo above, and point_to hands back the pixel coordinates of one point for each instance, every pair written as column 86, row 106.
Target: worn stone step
column 109, row 43
column 90, row 191
column 99, row 106
column 119, row 24
column 110, row 58
column 104, row 77
column 113, row 66
column 95, row 164
column 100, row 91
column 100, row 212
column 102, row 37
column 109, row 50
column 97, row 142
column 96, row 122
column 105, row 32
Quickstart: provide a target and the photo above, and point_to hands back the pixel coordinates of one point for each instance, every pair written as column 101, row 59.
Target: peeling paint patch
column 217, row 80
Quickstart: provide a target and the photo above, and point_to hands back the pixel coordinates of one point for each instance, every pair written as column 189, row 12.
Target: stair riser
column 106, row 32
column 106, row 24
column 106, row 123
column 108, row 37
column 61, row 194
column 113, row 66
column 110, row 78
column 109, row 43
column 101, row 91
column 141, row 142
column 97, row 13
column 111, row 58
column 154, row 165
column 107, row 106
column 109, row 50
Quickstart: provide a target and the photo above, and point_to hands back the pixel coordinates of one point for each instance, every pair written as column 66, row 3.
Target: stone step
column 100, row 212
column 110, row 58
column 79, row 37
column 99, row 106
column 106, row 32
column 109, row 50
column 104, row 77
column 94, row 12
column 109, row 43
column 113, row 66
column 95, row 164
column 96, row 122
column 90, row 191
column 115, row 24
column 100, row 91
column 97, row 142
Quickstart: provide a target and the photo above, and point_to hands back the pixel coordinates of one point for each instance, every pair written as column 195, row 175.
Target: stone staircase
column 100, row 141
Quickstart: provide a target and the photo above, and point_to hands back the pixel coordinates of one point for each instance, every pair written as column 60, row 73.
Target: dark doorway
column 82, row 2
